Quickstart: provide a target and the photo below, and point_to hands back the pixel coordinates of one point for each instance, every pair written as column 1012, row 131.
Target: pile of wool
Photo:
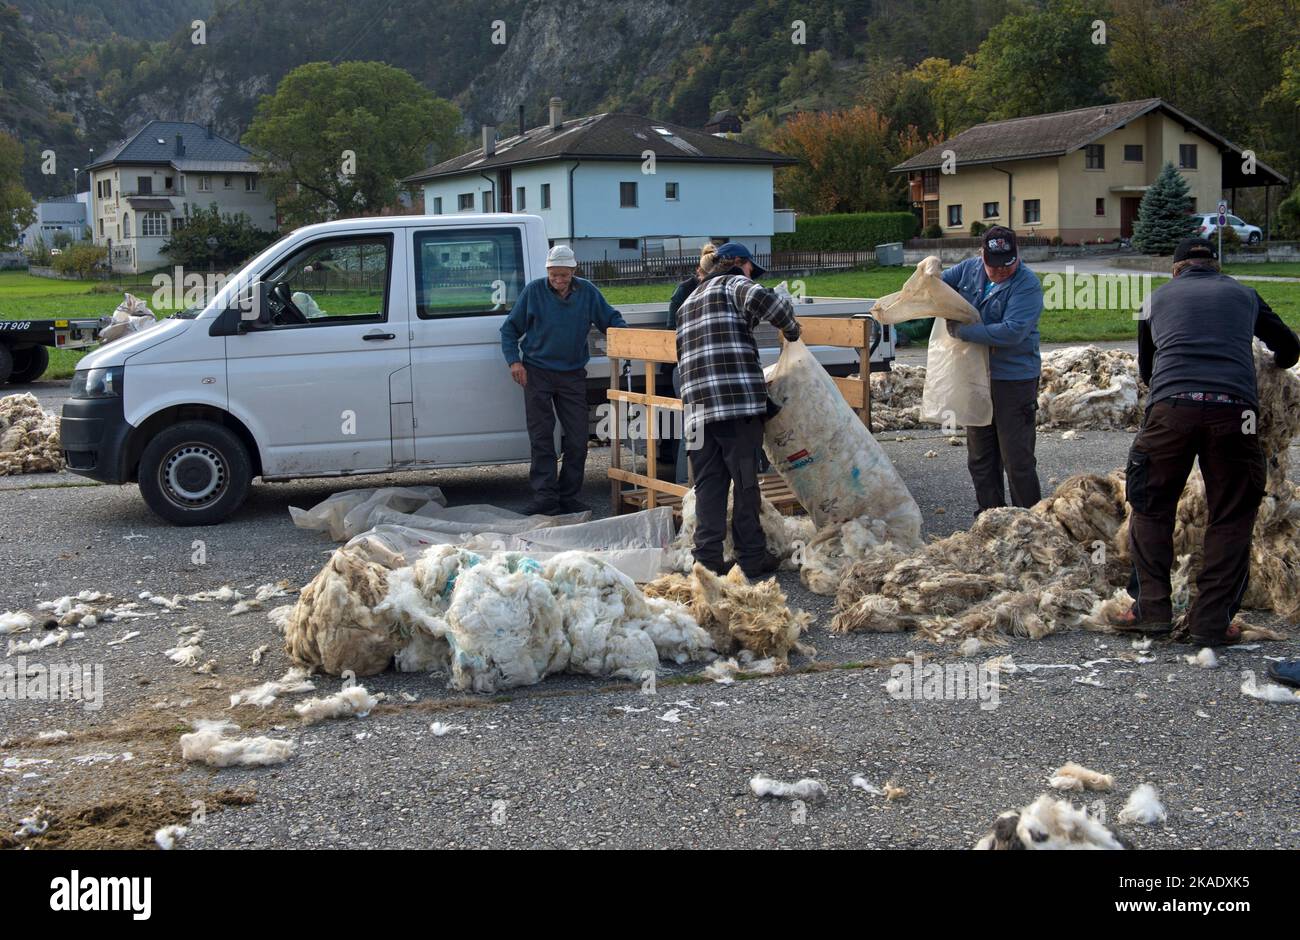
column 29, row 437
column 1048, row 823
column 335, row 626
column 896, row 397
column 738, row 614
column 784, row 534
column 491, row 621
column 1091, row 388
column 208, row 744
column 823, row 560
column 1012, row 572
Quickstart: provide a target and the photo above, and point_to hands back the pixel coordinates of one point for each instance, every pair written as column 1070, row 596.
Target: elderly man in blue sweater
column 1009, row 299
column 544, row 340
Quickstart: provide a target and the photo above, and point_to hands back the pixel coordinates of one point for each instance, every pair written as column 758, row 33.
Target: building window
column 519, row 199
column 178, row 223
column 465, row 202
column 627, row 244
column 930, row 182
column 1033, row 211
column 627, row 195
column 670, row 191
column 144, row 185
column 229, row 182
column 546, row 195
column 167, row 182
column 437, row 205
column 250, row 184
column 126, row 224
column 101, row 228
column 990, row 210
column 1094, row 157
column 1132, row 153
column 954, row 216
column 205, row 184
column 1187, row 156
column 1101, row 205
column 489, row 204
column 153, row 224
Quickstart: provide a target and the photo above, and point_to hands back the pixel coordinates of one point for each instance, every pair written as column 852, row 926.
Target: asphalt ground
column 575, row 761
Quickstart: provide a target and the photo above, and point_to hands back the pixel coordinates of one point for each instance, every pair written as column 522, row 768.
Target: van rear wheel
column 195, row 473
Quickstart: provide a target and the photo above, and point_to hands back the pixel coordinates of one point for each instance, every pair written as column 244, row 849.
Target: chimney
column 180, row 145
column 557, row 113
column 209, row 130
column 489, row 139
column 521, row 121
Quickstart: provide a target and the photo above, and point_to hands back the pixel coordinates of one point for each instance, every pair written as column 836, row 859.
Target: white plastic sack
column 957, row 388
column 349, row 513
column 829, row 459
column 131, row 316
column 924, row 295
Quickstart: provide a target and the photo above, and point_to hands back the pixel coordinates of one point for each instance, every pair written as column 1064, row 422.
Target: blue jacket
column 555, row 330
column 1009, row 312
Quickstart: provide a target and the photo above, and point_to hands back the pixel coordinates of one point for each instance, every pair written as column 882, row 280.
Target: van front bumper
column 93, row 433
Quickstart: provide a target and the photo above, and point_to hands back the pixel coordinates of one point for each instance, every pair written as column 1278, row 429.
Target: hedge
column 850, row 231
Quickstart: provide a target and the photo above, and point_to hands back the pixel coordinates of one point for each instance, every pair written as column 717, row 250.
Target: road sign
column 1223, row 213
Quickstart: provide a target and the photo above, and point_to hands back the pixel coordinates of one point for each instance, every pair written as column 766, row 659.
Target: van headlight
column 98, row 383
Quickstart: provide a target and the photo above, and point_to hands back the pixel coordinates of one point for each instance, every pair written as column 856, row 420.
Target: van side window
column 467, row 272
column 337, row 280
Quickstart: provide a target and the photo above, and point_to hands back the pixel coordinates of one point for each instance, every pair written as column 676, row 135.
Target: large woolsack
column 924, row 295
column 827, row 456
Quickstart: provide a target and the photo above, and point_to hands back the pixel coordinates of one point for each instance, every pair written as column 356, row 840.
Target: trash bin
column 890, row 254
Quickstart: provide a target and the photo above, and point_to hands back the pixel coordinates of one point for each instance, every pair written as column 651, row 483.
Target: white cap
column 561, row 256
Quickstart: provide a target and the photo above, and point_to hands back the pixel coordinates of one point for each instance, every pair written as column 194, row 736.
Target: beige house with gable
column 1075, row 174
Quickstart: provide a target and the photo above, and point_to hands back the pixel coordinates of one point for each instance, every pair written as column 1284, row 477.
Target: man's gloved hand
column 787, row 338
column 952, row 326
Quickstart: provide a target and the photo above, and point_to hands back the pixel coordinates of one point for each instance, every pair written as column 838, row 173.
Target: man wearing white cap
column 544, row 340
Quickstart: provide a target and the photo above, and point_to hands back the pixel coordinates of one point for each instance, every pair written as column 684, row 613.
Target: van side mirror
column 248, row 311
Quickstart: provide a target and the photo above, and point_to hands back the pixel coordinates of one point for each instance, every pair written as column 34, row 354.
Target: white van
column 349, row 347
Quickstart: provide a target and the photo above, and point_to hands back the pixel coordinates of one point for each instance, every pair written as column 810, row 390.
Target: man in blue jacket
column 553, row 317
column 1009, row 299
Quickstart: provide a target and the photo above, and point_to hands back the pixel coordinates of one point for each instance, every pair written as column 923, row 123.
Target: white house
column 142, row 189
column 615, row 186
column 62, row 215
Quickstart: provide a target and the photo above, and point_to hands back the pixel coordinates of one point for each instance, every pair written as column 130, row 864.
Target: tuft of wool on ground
column 29, row 437
column 806, row 789
column 1050, row 824
column 736, row 613
column 351, row 702
column 489, row 621
column 1143, row 807
column 208, row 744
column 1075, row 777
column 293, row 682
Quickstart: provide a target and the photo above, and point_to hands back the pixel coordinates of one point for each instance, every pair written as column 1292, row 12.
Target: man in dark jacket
column 1195, row 356
column 1010, row 301
column 553, row 317
column 724, row 391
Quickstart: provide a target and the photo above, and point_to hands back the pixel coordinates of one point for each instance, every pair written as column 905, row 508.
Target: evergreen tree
column 1164, row 217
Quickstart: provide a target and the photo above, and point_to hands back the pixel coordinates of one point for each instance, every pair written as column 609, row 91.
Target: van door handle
column 369, row 336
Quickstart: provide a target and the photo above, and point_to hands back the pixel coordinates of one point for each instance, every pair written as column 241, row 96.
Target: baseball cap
column 1195, row 248
column 1000, row 246
column 737, row 250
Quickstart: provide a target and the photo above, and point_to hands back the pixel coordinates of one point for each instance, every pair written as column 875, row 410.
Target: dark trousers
column 1006, row 445
column 728, row 459
column 1175, row 433
column 547, row 395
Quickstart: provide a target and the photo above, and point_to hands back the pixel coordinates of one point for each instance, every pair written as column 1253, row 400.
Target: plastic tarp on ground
column 394, row 525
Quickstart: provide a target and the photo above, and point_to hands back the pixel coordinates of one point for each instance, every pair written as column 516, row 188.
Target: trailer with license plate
column 25, row 344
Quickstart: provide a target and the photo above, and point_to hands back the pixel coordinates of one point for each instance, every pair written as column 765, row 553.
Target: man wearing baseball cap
column 1009, row 299
column 1195, row 356
column 544, row 340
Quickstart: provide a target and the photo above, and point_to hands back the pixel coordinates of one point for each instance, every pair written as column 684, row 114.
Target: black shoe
column 542, row 507
column 573, row 504
column 720, row 568
column 768, row 565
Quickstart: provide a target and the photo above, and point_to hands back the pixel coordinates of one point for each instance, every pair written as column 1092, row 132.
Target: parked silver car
column 1208, row 227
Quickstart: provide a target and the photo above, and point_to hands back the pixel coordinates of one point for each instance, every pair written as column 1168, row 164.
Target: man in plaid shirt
column 726, row 403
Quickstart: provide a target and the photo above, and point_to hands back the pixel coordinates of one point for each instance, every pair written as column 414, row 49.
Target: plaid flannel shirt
column 717, row 354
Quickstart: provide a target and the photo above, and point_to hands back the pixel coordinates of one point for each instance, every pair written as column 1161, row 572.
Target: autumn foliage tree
column 845, row 158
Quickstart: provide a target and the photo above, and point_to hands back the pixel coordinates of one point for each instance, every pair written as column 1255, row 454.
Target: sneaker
column 573, row 504
column 542, row 507
column 1287, row 673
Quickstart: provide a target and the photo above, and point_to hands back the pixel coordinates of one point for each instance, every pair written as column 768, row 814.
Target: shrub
column 977, row 229
column 933, row 231
column 849, row 231
column 80, row 259
column 39, row 253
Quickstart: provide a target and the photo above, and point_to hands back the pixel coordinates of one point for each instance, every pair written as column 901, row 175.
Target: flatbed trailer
column 25, row 344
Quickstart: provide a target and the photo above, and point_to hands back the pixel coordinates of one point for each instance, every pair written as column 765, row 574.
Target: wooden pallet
column 774, row 489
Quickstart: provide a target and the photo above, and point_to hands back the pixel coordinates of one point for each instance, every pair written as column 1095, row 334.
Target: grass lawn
column 1266, row 268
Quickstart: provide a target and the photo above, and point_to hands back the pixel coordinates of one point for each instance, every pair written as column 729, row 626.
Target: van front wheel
column 195, row 473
